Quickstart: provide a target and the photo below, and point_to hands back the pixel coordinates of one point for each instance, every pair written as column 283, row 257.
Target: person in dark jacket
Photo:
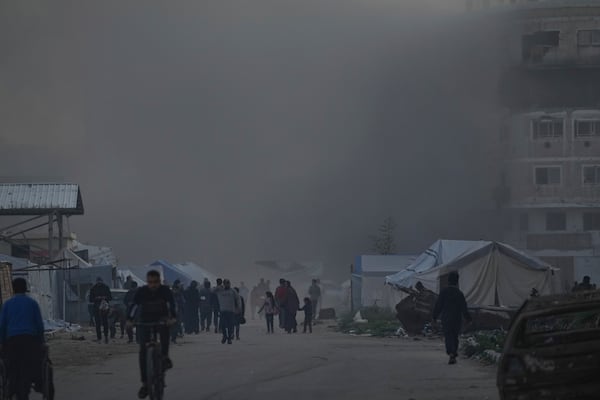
column 100, row 297
column 177, row 328
column 205, row 306
column 240, row 316
column 152, row 303
column 21, row 338
column 291, row 306
column 192, row 303
column 216, row 309
column 128, row 301
column 308, row 314
column 452, row 306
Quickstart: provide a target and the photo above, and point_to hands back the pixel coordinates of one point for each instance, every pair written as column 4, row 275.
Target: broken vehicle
column 552, row 350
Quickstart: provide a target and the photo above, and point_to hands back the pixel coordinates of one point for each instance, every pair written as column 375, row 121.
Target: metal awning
column 40, row 198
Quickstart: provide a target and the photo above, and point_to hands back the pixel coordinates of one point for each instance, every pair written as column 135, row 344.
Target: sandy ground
column 324, row 365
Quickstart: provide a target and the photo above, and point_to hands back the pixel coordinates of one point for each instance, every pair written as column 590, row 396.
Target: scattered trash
column 359, row 319
column 401, row 332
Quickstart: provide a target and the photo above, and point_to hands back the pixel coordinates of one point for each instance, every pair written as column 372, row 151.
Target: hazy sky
column 230, row 131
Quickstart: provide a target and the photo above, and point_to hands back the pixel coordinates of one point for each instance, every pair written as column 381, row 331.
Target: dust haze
column 229, row 131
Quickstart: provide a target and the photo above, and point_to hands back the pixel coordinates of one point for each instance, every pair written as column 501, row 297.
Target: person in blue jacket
column 21, row 338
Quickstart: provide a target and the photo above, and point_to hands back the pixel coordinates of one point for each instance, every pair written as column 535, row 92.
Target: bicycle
column 155, row 373
column 43, row 380
column 47, row 376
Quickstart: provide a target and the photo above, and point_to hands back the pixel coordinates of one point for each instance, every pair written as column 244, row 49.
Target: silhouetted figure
column 452, row 307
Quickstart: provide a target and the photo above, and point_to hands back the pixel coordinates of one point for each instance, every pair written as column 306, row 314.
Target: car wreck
column 552, row 350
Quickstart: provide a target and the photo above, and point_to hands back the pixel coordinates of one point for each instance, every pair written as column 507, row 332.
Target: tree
column 384, row 242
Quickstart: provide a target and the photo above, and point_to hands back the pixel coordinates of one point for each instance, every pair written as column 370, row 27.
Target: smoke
column 225, row 132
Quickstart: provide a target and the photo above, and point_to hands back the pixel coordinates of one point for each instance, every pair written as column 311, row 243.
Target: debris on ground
column 485, row 346
column 371, row 321
column 68, row 350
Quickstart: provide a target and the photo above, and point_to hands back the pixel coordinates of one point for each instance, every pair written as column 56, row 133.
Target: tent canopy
column 492, row 273
column 185, row 272
column 195, row 272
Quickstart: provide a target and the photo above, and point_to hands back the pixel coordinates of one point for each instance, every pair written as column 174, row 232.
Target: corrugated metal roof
column 39, row 198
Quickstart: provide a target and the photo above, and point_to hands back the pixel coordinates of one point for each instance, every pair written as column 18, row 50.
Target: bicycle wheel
column 48, row 380
column 150, row 374
column 159, row 375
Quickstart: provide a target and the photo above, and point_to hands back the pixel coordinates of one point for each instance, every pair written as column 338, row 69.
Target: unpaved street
column 324, row 365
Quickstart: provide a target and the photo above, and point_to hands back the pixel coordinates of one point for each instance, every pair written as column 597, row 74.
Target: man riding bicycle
column 21, row 338
column 152, row 304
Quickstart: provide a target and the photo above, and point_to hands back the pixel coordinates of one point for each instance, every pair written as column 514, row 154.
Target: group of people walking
column 202, row 309
column 285, row 303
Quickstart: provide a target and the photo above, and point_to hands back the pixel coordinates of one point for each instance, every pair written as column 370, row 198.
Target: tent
column 491, row 273
column 367, row 276
column 195, row 272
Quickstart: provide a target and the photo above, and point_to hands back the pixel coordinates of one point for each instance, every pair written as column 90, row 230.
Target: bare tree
column 385, row 241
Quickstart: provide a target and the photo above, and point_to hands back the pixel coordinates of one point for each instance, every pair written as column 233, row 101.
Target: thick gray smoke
column 226, row 132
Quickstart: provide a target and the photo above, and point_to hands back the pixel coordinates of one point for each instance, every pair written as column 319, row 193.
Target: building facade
column 550, row 88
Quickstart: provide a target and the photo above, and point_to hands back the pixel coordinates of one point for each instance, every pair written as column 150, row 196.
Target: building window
column 536, row 45
column 591, row 175
column 547, row 128
column 587, row 128
column 587, row 38
column 547, row 175
column 556, row 221
column 591, row 221
column 524, row 222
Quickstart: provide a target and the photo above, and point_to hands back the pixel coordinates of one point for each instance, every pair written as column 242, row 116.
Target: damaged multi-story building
column 550, row 91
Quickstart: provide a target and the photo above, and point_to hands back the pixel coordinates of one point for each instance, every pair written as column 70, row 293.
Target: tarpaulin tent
column 170, row 273
column 491, row 273
column 195, row 272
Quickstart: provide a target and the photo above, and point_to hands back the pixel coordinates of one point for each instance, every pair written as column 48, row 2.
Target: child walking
column 308, row 314
column 270, row 310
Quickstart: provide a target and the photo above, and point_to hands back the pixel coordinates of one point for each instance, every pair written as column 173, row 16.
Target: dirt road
column 324, row 365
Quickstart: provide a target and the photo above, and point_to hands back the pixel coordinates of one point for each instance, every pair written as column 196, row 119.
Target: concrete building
column 550, row 88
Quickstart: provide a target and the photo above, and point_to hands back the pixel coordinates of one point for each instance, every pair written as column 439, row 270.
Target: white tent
column 369, row 271
column 491, row 273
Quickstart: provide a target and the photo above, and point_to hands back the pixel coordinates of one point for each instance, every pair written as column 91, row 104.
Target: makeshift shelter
column 123, row 273
column 367, row 276
column 491, row 273
column 195, row 272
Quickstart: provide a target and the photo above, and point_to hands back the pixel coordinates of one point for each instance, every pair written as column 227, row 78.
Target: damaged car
column 552, row 350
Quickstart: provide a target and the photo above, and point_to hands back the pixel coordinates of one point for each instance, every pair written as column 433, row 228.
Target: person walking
column 229, row 306
column 192, row 305
column 452, row 306
column 205, row 306
column 308, row 314
column 216, row 309
column 100, row 297
column 244, row 292
column 177, row 328
column 280, row 300
column 21, row 338
column 314, row 293
column 270, row 309
column 240, row 318
column 128, row 301
column 292, row 304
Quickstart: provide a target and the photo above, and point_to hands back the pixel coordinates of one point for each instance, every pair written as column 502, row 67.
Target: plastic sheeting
column 491, row 273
